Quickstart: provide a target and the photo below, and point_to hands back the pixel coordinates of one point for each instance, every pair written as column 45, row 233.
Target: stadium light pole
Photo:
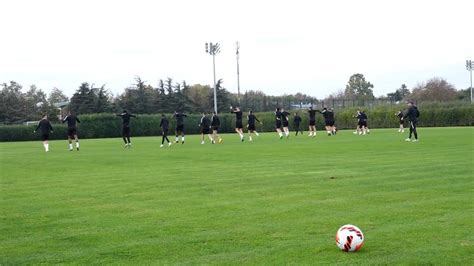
column 213, row 49
column 237, row 54
column 469, row 68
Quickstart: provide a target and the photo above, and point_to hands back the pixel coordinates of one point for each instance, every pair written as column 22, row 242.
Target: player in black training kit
column 312, row 122
column 205, row 125
column 361, row 123
column 251, row 119
column 278, row 120
column 164, row 125
column 215, row 123
column 71, row 120
column 296, row 123
column 45, row 127
column 179, row 126
column 329, row 121
column 285, row 122
column 400, row 120
column 126, row 127
column 238, row 122
column 412, row 114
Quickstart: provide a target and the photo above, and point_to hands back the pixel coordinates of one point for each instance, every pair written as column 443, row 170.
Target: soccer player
column 400, row 120
column 238, row 122
column 215, row 123
column 45, row 127
column 126, row 127
column 278, row 118
column 361, row 123
column 205, row 125
column 164, row 125
column 412, row 114
column 328, row 115
column 296, row 123
column 284, row 118
column 251, row 118
column 312, row 122
column 71, row 120
column 179, row 126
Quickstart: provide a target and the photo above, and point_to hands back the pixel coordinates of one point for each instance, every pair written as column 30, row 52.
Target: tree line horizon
column 169, row 96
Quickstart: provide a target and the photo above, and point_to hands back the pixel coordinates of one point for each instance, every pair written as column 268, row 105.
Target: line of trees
column 434, row 89
column 168, row 96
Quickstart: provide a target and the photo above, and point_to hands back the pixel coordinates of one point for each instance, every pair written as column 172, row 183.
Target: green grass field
column 267, row 202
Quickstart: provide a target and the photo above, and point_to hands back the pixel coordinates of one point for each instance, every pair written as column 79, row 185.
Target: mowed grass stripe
column 266, row 202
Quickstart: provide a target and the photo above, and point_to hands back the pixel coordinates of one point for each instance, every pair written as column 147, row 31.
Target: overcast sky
column 286, row 46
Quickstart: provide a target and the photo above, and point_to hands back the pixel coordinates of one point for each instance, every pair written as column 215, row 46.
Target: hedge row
column 108, row 125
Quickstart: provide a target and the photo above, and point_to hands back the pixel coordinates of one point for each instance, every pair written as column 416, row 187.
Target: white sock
column 182, row 138
column 241, row 136
column 70, row 146
column 77, row 144
column 256, row 133
column 280, row 134
column 177, row 138
column 46, row 146
column 250, row 138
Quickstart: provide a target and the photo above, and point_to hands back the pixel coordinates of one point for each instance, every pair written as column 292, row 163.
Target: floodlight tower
column 237, row 54
column 469, row 68
column 213, row 49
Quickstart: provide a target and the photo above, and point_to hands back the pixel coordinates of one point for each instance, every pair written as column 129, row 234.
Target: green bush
column 109, row 125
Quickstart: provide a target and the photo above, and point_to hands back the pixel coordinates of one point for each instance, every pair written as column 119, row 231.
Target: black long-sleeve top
column 44, row 126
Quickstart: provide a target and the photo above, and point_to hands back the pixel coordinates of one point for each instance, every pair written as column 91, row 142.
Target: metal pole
column 238, row 72
column 471, row 82
column 469, row 68
column 215, row 89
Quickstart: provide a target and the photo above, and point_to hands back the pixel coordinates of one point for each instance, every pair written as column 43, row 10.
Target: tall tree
column 222, row 97
column 57, row 96
column 36, row 103
column 400, row 94
column 358, row 88
column 199, row 96
column 83, row 100
column 435, row 89
column 12, row 103
column 103, row 103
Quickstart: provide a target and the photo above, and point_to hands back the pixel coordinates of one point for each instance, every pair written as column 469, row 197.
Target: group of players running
column 210, row 126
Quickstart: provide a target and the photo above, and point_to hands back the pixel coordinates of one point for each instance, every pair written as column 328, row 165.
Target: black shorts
column 205, row 130
column 44, row 137
column 312, row 122
column 180, row 128
column 362, row 123
column 329, row 123
column 164, row 131
column 125, row 132
column 251, row 127
column 401, row 122
column 71, row 132
column 215, row 128
column 278, row 124
column 238, row 124
column 285, row 124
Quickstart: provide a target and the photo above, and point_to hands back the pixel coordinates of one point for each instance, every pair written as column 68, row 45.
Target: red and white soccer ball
column 349, row 238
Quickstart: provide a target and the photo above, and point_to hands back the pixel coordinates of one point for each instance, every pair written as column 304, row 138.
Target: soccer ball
column 349, row 238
